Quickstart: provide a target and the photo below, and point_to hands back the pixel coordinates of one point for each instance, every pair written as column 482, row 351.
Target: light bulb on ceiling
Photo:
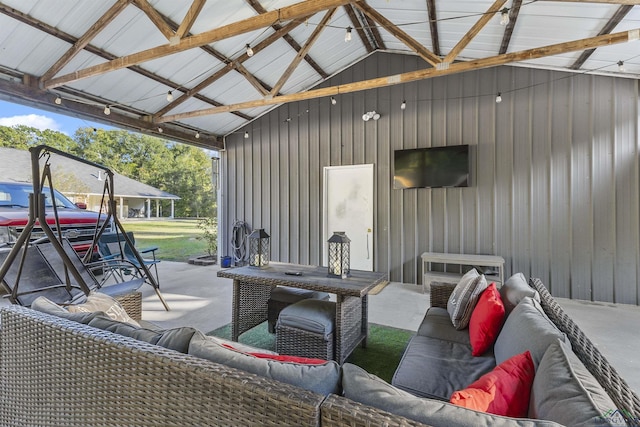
column 499, row 98
column 169, row 96
column 403, row 106
column 160, row 129
column 333, row 101
column 347, row 36
column 504, row 16
column 246, row 135
column 107, row 110
column 621, row 66
column 58, row 100
column 249, row 50
column 197, row 135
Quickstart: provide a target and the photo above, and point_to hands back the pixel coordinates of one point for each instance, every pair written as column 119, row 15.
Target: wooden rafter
column 423, row 52
column 296, row 11
column 359, row 28
column 255, row 4
column 190, row 18
column 371, row 27
column 457, row 67
column 229, row 67
column 157, row 19
column 433, row 27
column 301, row 54
column 86, row 38
column 508, row 31
column 475, row 29
column 608, row 27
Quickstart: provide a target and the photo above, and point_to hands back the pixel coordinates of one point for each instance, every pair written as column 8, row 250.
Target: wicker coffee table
column 252, row 287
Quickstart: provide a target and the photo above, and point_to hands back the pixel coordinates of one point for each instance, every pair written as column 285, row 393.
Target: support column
column 172, row 208
column 121, row 208
column 157, row 208
column 148, row 202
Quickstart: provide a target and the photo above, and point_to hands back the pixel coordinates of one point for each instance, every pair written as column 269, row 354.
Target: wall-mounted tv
column 446, row 166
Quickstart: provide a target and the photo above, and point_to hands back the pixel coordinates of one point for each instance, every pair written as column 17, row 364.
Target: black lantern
column 259, row 248
column 339, row 255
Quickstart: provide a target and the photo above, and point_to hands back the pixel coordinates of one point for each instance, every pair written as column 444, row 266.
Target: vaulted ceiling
column 182, row 69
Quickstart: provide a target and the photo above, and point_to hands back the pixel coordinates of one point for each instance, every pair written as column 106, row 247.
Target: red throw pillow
column 486, row 320
column 503, row 391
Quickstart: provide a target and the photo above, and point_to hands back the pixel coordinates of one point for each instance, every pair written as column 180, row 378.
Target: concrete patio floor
column 198, row 298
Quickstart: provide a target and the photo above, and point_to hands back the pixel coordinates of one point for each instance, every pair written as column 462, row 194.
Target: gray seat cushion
column 435, row 368
column 323, row 379
column 360, row 386
column 526, row 328
column 437, row 324
column 566, row 392
column 316, row 316
column 291, row 295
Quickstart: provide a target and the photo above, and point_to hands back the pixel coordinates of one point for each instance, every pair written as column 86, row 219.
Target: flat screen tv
column 432, row 167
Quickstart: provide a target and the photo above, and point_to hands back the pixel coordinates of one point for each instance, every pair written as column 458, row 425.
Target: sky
column 17, row 114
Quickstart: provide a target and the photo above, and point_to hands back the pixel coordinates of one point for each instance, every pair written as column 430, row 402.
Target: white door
column 348, row 207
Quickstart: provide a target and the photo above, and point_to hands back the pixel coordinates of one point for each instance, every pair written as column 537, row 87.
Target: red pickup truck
column 78, row 225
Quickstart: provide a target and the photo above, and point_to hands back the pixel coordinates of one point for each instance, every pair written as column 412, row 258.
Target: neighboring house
column 83, row 183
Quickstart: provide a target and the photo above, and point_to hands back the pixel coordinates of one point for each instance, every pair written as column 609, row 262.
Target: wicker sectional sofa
column 61, row 372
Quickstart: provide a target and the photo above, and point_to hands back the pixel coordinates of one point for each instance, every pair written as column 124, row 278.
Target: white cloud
column 33, row 120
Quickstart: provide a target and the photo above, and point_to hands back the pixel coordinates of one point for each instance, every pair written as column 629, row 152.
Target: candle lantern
column 339, row 254
column 259, row 248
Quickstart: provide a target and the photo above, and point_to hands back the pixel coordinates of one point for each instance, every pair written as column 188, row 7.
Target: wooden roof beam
column 359, row 28
column 157, row 19
column 458, row 67
column 433, row 27
column 255, row 4
column 229, row 67
column 508, row 32
column 423, row 52
column 301, row 54
column 190, row 18
column 475, row 29
column 295, row 11
column 608, row 27
column 86, row 38
column 372, row 29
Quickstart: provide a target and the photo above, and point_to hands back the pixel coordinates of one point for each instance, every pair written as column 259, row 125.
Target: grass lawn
column 176, row 239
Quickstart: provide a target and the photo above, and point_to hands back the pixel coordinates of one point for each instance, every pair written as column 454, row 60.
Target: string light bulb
column 169, row 96
column 333, row 101
column 246, row 135
column 347, row 36
column 197, row 135
column 107, row 110
column 403, row 106
column 58, row 100
column 499, row 98
column 504, row 17
column 249, row 50
column 160, row 129
column 621, row 66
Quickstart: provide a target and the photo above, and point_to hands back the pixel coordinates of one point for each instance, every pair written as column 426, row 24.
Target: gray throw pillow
column 464, row 297
column 323, row 379
column 366, row 388
column 526, row 328
column 565, row 391
column 514, row 290
column 45, row 305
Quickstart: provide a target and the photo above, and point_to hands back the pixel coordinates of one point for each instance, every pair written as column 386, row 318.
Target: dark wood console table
column 252, row 288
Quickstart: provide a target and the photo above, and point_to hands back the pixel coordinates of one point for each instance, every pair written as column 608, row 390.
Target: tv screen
column 432, row 167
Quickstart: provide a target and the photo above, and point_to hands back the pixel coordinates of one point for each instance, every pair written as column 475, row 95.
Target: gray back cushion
column 514, row 290
column 323, row 379
column 363, row 387
column 565, row 391
column 526, row 328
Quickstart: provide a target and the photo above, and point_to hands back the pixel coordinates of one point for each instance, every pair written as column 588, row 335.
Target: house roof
column 181, row 69
column 70, row 176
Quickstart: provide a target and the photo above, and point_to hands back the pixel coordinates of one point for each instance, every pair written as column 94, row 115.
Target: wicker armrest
column 440, row 292
column 340, row 411
column 132, row 304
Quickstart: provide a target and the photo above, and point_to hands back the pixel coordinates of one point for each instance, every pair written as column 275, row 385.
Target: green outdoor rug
column 385, row 346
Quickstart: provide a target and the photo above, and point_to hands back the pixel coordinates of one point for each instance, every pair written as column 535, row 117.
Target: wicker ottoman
column 283, row 296
column 306, row 329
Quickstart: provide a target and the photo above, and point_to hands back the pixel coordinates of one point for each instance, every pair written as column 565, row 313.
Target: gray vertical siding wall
column 556, row 180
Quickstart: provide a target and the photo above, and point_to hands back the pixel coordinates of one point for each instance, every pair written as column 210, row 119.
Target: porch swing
column 50, row 266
